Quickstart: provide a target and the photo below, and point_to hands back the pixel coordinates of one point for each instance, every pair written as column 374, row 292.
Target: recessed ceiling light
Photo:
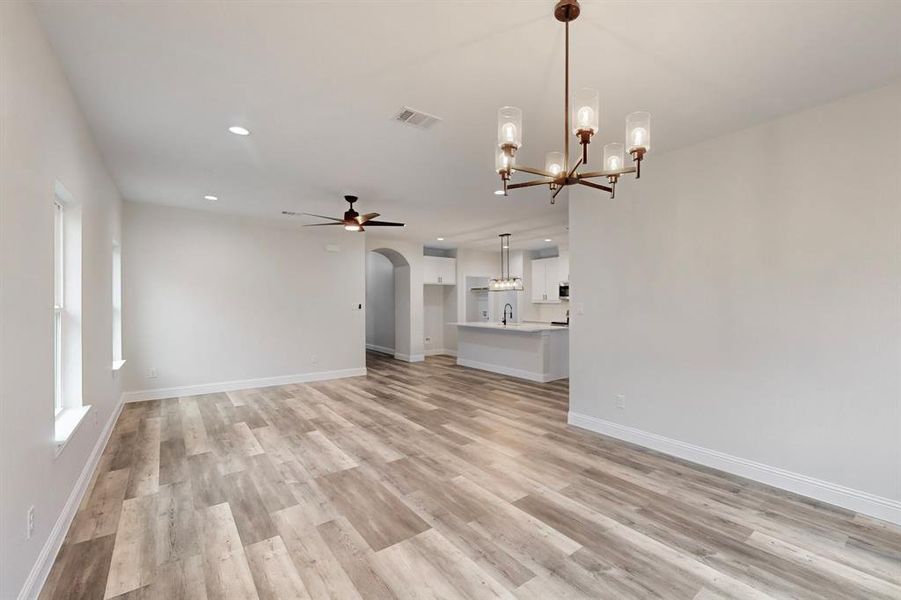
column 238, row 130
column 209, row 197
column 498, row 192
column 548, row 240
column 440, row 239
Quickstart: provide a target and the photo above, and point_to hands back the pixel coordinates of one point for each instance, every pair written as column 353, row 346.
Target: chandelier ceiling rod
column 557, row 173
column 566, row 103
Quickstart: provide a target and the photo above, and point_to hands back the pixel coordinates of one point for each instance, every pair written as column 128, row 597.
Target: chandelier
column 557, row 172
column 506, row 282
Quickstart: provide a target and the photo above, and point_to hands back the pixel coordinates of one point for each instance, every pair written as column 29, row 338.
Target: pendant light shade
column 509, row 127
column 503, row 163
column 586, row 109
column 638, row 131
column 613, row 157
column 553, row 163
column 506, row 282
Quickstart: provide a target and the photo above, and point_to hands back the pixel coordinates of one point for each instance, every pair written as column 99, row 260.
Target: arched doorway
column 378, row 297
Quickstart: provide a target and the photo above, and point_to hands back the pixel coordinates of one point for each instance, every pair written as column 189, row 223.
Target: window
column 59, row 298
column 118, row 361
column 68, row 408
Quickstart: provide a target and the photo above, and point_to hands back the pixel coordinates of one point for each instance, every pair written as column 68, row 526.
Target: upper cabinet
column 547, row 275
column 438, row 270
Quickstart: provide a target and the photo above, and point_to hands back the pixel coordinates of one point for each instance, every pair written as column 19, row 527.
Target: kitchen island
column 533, row 351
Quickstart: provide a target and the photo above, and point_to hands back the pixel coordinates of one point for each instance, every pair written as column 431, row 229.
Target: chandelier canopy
column 583, row 113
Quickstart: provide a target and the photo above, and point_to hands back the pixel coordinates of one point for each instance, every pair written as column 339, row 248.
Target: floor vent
column 416, row 118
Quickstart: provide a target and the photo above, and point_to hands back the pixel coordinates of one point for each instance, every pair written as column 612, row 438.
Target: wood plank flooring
column 433, row 481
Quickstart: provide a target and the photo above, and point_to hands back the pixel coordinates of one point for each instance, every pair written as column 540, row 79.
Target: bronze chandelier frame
column 566, row 11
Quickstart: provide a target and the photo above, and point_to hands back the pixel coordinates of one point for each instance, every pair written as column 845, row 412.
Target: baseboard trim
column 440, row 352
column 824, row 491
column 519, row 373
column 409, row 357
column 382, row 349
column 41, row 569
column 243, row 384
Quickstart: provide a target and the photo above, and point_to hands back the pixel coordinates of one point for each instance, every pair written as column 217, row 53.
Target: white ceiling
column 319, row 82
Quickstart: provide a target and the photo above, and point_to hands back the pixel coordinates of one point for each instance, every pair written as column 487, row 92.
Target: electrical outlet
column 620, row 401
column 314, row 359
column 151, row 373
column 29, row 523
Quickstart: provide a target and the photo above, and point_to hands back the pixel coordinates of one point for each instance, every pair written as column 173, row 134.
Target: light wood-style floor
column 434, row 481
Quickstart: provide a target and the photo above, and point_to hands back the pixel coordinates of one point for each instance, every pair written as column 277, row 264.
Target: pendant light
column 506, row 282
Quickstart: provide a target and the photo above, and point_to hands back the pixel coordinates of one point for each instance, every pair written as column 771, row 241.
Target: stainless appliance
column 564, row 290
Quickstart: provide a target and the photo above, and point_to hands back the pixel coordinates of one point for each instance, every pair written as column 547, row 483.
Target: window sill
column 118, row 364
column 67, row 423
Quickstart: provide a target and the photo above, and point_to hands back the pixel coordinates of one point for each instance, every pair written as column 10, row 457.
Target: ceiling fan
column 352, row 220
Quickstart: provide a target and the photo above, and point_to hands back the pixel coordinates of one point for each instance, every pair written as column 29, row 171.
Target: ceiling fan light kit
column 583, row 113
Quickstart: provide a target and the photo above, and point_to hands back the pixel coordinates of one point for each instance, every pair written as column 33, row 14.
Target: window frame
column 59, row 299
column 118, row 350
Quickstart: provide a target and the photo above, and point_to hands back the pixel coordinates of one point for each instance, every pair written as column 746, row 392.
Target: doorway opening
column 388, row 303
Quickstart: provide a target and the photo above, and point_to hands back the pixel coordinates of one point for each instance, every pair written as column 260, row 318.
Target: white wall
column 44, row 140
column 473, row 263
column 743, row 296
column 379, row 302
column 215, row 298
column 449, row 332
column 439, row 311
column 433, row 317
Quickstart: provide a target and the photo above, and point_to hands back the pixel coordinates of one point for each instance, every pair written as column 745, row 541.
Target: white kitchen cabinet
column 438, row 270
column 546, row 278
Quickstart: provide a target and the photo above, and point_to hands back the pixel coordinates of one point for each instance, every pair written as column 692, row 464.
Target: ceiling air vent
column 416, row 118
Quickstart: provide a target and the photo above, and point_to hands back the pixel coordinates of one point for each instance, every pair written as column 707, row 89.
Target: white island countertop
column 514, row 327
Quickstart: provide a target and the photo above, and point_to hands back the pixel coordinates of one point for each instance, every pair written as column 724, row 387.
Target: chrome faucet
column 506, row 306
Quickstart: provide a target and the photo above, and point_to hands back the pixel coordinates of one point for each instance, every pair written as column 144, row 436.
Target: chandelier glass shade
column 505, row 282
column 581, row 119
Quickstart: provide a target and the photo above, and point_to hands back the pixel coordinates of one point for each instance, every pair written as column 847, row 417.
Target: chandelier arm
column 596, row 186
column 605, row 173
column 533, row 171
column 514, row 186
column 575, row 166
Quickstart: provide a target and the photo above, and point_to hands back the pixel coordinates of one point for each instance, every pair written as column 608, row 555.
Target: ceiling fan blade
column 323, row 224
column 323, row 217
column 385, row 224
column 367, row 217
